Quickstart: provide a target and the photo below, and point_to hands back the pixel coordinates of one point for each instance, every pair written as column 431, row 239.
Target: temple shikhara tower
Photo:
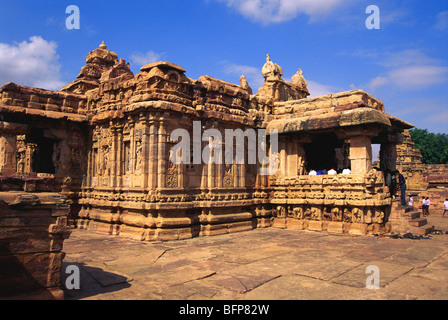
column 100, row 150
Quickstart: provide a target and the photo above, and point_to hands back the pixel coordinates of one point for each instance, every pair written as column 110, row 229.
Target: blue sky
column 404, row 63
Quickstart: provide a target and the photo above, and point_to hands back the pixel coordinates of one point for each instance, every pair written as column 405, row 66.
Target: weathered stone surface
column 31, row 241
column 290, row 265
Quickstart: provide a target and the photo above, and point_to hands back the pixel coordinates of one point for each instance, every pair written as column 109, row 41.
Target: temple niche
column 105, row 142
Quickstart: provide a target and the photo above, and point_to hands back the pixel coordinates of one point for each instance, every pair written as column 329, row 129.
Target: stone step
column 412, row 215
column 401, row 209
column 423, row 230
column 418, row 222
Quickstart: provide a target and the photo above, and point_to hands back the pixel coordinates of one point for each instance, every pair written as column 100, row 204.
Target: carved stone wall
column 355, row 204
column 106, row 141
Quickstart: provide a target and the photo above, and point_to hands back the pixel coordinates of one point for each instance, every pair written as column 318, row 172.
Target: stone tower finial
column 103, row 45
column 271, row 70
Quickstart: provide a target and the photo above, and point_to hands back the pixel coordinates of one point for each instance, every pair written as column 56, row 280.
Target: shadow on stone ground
column 93, row 281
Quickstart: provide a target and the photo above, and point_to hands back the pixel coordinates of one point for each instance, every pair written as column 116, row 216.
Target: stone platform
column 262, row 264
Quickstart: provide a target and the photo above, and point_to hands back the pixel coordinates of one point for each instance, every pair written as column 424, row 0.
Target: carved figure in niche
column 357, row 215
column 301, row 166
column 21, row 162
column 298, row 80
column 301, row 162
column 106, row 169
column 378, row 216
column 347, row 217
column 281, row 212
column 326, row 214
column 138, row 156
column 307, row 214
column 291, row 213
column 368, row 216
column 315, row 214
column 336, row 214
column 298, row 213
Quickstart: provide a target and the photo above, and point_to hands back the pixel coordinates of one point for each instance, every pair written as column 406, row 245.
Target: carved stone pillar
column 161, row 150
column 120, row 158
column 282, row 158
column 8, row 146
column 7, row 154
column 360, row 154
column 153, row 148
column 388, row 152
column 211, row 165
column 114, row 157
column 145, row 152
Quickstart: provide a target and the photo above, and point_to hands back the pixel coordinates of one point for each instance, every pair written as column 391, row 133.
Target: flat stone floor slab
column 262, row 264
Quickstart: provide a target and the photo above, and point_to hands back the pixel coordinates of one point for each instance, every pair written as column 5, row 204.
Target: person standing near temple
column 402, row 185
column 428, row 203
column 445, row 204
column 424, row 206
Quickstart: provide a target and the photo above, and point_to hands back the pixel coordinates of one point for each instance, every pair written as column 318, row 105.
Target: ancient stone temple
column 107, row 141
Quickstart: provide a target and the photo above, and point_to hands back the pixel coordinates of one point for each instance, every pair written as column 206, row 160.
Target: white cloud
column 405, row 58
column 146, row 58
column 33, row 63
column 442, row 21
column 317, row 89
column 274, row 11
column 409, row 69
column 377, row 82
column 418, row 76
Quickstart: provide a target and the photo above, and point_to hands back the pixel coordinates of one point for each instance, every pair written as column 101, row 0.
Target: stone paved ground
column 262, row 264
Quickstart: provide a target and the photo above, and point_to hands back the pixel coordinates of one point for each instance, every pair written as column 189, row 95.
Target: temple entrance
column 42, row 159
column 321, row 153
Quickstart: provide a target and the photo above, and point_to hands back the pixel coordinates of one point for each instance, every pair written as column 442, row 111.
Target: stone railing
column 355, row 204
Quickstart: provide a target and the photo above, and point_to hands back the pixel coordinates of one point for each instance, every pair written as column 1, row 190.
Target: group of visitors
column 332, row 171
column 426, row 203
column 425, row 206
